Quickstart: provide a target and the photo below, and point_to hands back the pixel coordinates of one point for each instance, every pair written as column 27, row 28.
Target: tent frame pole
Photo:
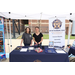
column 10, row 32
column 13, row 29
column 31, row 26
column 19, row 26
column 7, row 36
column 69, row 32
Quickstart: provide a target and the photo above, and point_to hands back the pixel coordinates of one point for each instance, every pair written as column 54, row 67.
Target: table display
column 18, row 48
column 60, row 51
column 31, row 48
column 38, row 50
column 31, row 56
column 51, row 44
column 23, row 50
column 49, row 50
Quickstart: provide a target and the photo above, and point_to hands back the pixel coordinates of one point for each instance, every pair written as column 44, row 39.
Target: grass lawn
column 71, row 37
column 46, row 36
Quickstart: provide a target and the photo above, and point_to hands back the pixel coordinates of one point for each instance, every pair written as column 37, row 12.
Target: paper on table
column 31, row 48
column 50, row 47
column 57, row 48
column 60, row 51
column 23, row 50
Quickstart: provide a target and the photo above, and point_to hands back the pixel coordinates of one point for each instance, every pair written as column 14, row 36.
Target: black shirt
column 37, row 37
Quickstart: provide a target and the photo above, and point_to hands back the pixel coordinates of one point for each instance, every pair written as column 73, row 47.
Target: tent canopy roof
column 37, row 16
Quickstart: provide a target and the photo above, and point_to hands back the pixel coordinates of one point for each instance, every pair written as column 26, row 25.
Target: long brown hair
column 29, row 30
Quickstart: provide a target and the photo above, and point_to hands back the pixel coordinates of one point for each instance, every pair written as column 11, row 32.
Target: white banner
column 57, row 31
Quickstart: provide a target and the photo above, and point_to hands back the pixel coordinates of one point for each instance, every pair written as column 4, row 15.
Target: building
column 15, row 24
column 19, row 25
column 44, row 25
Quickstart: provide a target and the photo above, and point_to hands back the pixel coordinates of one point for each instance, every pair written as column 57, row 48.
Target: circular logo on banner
column 56, row 24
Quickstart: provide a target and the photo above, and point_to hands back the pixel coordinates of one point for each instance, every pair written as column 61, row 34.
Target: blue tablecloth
column 17, row 56
column 71, row 50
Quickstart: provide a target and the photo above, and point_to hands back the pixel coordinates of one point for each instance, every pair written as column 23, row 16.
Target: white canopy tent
column 39, row 16
column 35, row 16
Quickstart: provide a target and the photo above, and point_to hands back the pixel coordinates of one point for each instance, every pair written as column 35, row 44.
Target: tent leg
column 69, row 33
column 7, row 36
column 10, row 35
column 31, row 26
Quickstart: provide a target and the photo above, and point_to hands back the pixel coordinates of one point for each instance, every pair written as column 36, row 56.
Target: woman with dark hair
column 37, row 37
column 27, row 37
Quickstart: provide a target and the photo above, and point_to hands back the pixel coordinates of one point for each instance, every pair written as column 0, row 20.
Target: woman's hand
column 30, row 44
column 20, row 44
column 38, row 42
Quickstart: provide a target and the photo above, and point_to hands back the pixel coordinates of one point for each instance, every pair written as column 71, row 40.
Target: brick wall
column 44, row 25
